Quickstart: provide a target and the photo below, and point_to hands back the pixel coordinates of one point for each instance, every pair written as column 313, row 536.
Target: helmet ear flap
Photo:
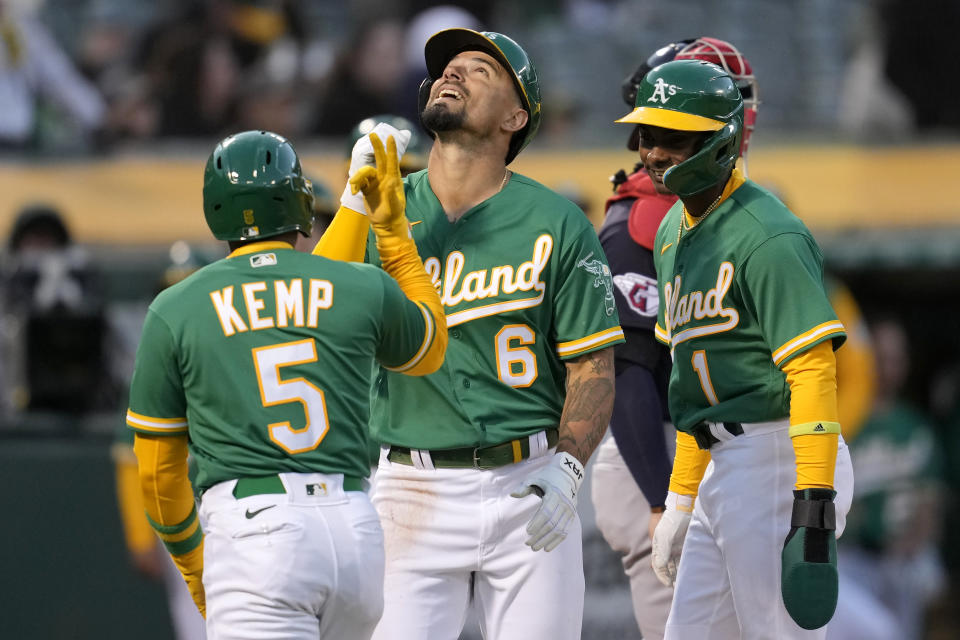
column 709, row 165
column 423, row 95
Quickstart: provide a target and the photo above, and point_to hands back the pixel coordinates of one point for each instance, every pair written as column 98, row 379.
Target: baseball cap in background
column 444, row 45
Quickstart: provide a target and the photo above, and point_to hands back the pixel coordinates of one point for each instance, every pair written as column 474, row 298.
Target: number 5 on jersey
column 516, row 364
column 275, row 391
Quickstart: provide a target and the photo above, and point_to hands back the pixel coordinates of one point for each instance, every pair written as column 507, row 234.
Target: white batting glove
column 557, row 485
column 669, row 535
column 362, row 156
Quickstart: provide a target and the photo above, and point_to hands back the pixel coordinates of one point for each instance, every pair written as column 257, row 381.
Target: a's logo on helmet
column 662, row 91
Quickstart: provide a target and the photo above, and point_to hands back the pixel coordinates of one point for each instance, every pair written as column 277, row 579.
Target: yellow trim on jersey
column 735, row 181
column 669, row 119
column 346, row 237
column 661, row 335
column 257, row 247
column 827, row 329
column 460, row 317
column 429, row 332
column 156, row 425
column 589, row 343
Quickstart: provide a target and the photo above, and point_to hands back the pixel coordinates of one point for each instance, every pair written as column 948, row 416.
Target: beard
column 438, row 118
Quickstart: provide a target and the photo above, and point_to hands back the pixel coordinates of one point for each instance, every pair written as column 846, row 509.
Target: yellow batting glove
column 382, row 186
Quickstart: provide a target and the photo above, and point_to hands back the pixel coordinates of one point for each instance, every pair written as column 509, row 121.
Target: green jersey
column 740, row 294
column 264, row 359
column 525, row 286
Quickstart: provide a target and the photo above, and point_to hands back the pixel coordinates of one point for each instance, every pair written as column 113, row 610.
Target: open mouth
column 448, row 94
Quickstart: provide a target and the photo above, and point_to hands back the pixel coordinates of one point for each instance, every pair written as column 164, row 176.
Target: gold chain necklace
column 683, row 216
column 503, row 183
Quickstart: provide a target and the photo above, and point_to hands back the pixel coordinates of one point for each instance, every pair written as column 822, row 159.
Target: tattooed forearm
column 588, row 405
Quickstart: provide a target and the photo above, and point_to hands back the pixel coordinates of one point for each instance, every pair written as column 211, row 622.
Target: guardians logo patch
column 640, row 292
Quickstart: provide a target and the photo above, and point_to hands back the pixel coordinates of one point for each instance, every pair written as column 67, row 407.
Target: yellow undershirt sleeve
column 689, row 464
column 399, row 258
column 814, row 427
column 169, row 503
column 346, row 237
column 136, row 529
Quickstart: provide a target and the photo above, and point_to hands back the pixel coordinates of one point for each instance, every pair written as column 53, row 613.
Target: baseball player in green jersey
column 483, row 459
column 761, row 479
column 254, row 364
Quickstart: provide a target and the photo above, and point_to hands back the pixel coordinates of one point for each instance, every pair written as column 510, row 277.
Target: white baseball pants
column 728, row 580
column 623, row 516
column 455, row 538
column 294, row 565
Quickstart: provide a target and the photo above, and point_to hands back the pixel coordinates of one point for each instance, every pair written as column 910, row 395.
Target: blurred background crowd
column 108, row 109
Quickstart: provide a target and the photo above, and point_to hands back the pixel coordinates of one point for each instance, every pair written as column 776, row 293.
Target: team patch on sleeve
column 807, row 339
column 156, row 425
column 590, row 343
column 601, row 273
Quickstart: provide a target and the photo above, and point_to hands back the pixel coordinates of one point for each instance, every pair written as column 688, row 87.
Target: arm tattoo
column 588, row 405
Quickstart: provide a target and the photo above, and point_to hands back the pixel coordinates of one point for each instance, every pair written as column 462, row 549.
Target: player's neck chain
column 506, row 176
column 683, row 216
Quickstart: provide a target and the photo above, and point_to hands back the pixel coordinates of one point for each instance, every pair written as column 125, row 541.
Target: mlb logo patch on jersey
column 317, row 489
column 263, row 260
column 640, row 292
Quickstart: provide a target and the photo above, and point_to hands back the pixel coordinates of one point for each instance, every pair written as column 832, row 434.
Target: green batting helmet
column 693, row 95
column 253, row 188
column 444, row 45
column 418, row 149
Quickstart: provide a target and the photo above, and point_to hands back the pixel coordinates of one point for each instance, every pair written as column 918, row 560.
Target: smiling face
column 662, row 148
column 476, row 94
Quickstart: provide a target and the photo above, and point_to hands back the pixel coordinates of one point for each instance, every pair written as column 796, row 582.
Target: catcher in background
column 483, row 460
column 632, row 468
column 761, row 475
column 252, row 364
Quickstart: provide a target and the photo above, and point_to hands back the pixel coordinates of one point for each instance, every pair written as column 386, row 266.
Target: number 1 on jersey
column 274, row 391
column 699, row 361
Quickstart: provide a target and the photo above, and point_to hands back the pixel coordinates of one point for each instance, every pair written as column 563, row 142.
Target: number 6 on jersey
column 274, row 391
column 508, row 356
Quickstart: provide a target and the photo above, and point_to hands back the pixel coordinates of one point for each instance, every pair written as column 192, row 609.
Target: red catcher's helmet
column 729, row 58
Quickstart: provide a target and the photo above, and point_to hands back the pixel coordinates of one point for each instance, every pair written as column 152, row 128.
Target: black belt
column 492, row 457
column 705, row 439
column 247, row 487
